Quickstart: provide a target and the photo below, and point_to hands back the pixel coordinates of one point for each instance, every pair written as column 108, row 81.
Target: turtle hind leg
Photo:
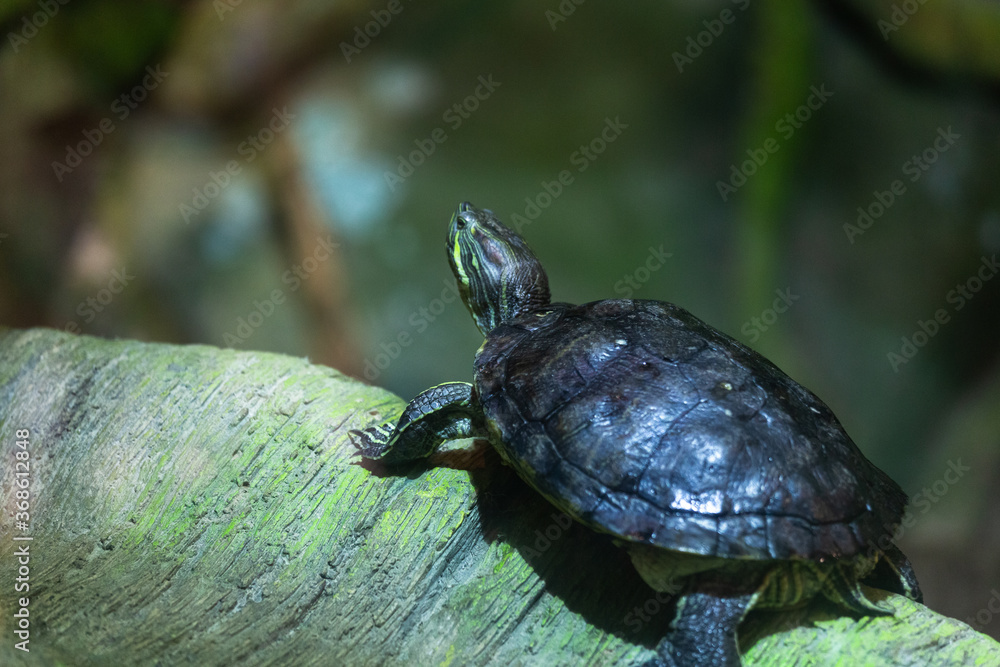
column 839, row 585
column 703, row 633
column 895, row 574
column 441, row 413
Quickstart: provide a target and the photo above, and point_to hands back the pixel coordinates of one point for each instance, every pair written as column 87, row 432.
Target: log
column 195, row 505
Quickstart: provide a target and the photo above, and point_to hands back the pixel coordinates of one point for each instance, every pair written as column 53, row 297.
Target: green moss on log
column 198, row 505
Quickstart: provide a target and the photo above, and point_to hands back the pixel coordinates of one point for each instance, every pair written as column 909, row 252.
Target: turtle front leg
column 441, row 413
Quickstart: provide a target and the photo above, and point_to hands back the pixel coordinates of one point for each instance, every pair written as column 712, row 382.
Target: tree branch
column 196, row 505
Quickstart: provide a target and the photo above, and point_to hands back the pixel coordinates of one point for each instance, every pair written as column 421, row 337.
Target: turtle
column 728, row 483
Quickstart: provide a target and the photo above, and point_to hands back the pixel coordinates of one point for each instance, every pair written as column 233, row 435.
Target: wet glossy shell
column 642, row 421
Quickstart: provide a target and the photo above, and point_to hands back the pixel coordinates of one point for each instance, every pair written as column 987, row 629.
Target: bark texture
column 193, row 505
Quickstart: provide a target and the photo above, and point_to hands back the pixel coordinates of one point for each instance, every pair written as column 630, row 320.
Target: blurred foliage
column 229, row 173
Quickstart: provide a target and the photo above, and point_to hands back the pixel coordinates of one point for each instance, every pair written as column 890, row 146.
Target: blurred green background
column 279, row 176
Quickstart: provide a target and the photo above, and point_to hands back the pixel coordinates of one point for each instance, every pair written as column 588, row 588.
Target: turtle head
column 498, row 275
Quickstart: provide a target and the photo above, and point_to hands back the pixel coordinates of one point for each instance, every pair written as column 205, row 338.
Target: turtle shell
column 642, row 421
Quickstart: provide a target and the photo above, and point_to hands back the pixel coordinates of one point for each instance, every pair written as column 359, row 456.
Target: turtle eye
column 459, row 223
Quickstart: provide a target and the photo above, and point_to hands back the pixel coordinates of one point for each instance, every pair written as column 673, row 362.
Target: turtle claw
column 372, row 442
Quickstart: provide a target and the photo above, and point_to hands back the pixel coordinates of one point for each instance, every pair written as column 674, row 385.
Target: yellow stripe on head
column 498, row 275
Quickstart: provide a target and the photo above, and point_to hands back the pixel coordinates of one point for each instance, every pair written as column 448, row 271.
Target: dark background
column 216, row 172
